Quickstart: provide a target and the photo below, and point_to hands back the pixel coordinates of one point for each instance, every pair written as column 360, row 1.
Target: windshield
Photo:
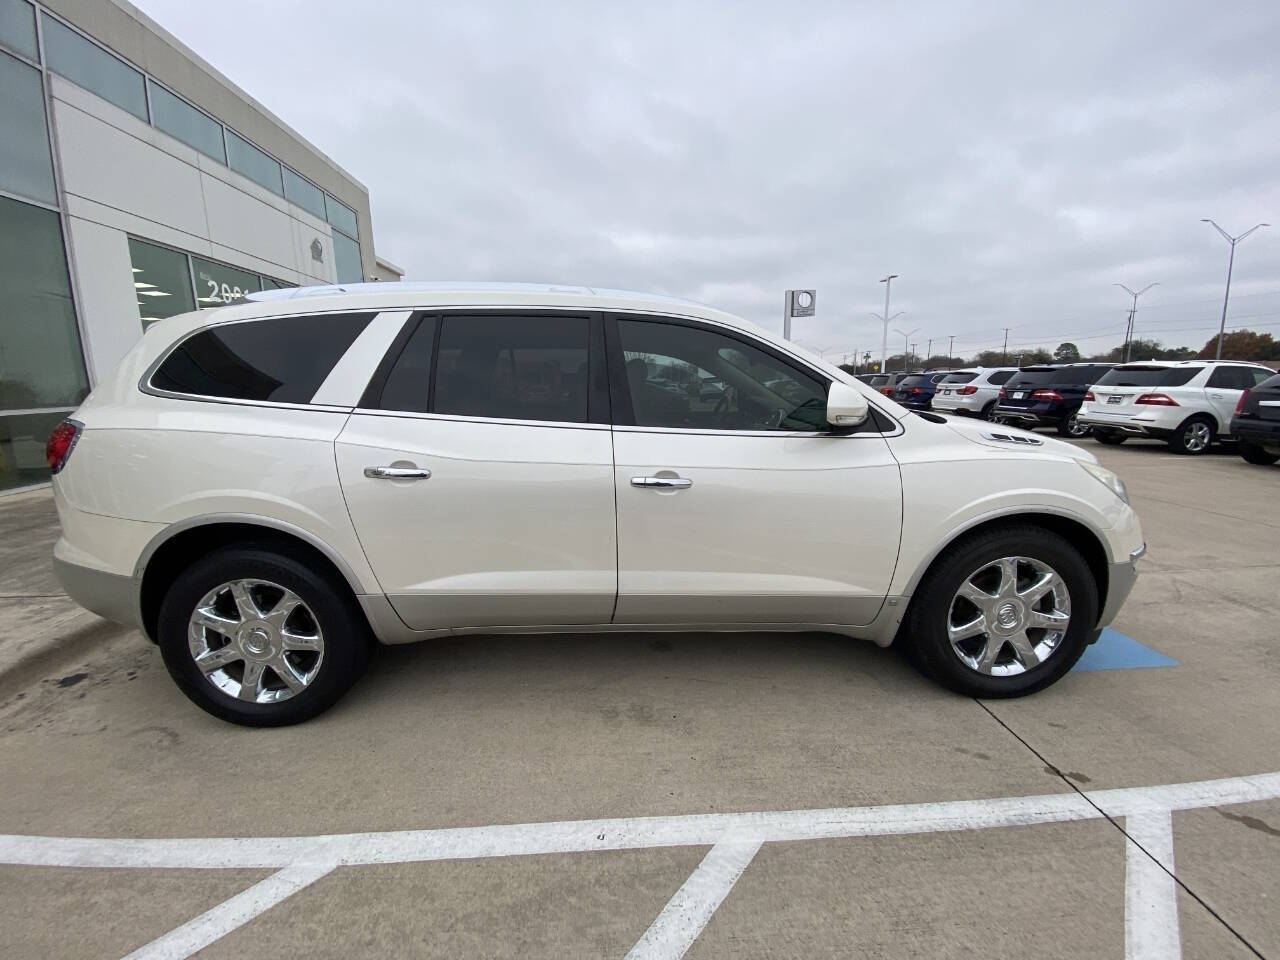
column 879, row 380
column 958, row 377
column 1134, row 375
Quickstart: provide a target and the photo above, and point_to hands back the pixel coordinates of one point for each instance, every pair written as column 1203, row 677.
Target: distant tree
column 1242, row 345
column 940, row 361
column 1067, row 353
column 990, row 358
column 1138, row 350
column 850, row 368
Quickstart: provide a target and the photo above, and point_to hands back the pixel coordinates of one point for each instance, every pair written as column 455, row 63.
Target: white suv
column 1187, row 403
column 267, row 488
column 972, row 391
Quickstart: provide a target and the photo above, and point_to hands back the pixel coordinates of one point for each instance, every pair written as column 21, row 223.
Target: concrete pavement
column 530, row 729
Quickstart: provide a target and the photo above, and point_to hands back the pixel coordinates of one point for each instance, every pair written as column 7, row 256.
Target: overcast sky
column 1008, row 161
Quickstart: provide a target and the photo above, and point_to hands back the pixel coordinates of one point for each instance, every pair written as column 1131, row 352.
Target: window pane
column 245, row 158
column 304, row 193
column 18, row 27
column 217, row 284
column 179, row 119
column 283, row 359
column 1179, row 376
column 40, row 360
column 25, row 165
column 513, row 368
column 346, row 259
column 959, row 377
column 406, row 385
column 683, row 377
column 271, row 283
column 162, row 280
column 1133, row 376
column 93, row 68
column 22, row 442
column 1258, row 376
column 1000, row 376
column 341, row 216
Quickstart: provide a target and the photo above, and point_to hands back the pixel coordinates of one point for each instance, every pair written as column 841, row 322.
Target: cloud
column 1010, row 161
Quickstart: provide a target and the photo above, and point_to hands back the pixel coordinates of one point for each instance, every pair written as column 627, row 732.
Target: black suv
column 1048, row 395
column 1257, row 422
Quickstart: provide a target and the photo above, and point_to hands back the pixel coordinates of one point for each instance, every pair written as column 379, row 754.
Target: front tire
column 1193, row 438
column 1003, row 613
column 261, row 638
column 1253, row 453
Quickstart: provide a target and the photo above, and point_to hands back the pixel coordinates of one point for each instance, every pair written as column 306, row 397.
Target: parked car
column 1256, row 424
column 1048, row 395
column 973, row 391
column 886, row 382
column 266, row 488
column 915, row 391
column 1187, row 403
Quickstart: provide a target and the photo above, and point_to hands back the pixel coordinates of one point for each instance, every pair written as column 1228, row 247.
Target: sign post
column 799, row 303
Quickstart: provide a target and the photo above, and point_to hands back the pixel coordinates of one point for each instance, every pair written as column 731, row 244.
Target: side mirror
column 846, row 406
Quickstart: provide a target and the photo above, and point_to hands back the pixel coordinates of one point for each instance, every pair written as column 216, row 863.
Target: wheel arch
column 172, row 550
column 1075, row 531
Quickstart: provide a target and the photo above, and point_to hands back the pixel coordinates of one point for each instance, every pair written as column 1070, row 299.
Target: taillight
column 887, row 391
column 966, row 391
column 57, row 450
column 1003, row 395
column 1088, row 396
column 1046, row 395
column 915, row 391
column 1155, row 400
column 1240, row 403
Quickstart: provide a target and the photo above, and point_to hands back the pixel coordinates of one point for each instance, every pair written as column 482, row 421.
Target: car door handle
column 397, row 473
column 677, row 483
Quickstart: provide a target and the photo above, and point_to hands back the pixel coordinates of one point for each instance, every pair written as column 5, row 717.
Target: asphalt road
column 567, row 732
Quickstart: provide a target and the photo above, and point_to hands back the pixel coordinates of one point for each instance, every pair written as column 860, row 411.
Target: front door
column 736, row 504
column 478, row 484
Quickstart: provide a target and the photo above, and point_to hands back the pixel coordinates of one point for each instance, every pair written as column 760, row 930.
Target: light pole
column 950, row 349
column 1222, row 327
column 1128, row 337
column 905, row 346
column 886, row 319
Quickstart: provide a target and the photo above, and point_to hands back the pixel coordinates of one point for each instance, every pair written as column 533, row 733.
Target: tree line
column 1237, row 345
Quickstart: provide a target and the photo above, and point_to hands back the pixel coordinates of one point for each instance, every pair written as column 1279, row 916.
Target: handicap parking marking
column 1117, row 651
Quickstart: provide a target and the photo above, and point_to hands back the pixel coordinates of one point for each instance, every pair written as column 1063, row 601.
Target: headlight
column 1107, row 478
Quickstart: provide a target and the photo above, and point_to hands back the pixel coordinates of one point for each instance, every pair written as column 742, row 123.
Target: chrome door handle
column 397, row 473
column 677, row 483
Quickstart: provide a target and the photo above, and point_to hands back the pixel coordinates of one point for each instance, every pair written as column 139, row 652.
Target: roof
column 1129, row 365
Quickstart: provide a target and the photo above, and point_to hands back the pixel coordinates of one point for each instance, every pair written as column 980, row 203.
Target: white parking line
column 1150, row 896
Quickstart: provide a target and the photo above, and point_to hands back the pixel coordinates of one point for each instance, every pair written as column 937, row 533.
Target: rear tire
column 1194, row 437
column 986, row 411
column 1109, row 438
column 931, row 618
column 1072, row 427
column 1253, row 453
column 323, row 643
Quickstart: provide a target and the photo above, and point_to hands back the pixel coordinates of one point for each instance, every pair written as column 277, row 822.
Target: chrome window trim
column 506, row 422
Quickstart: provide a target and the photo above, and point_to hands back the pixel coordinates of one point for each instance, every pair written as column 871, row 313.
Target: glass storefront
column 22, row 440
column 162, row 278
column 217, row 284
column 25, row 164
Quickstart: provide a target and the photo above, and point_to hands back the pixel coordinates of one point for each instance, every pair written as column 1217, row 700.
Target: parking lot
column 708, row 795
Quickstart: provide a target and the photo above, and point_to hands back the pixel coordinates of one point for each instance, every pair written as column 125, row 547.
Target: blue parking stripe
column 1116, row 651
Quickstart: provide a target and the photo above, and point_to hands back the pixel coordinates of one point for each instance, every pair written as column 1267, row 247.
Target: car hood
column 1004, row 437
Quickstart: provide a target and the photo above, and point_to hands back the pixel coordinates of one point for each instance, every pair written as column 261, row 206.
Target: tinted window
column 1260, row 376
column 243, row 157
column 879, row 380
column 513, row 368
column 93, row 68
column 1025, row 379
column 1075, row 376
column 218, row 284
column 304, row 193
column 18, row 27
column 161, row 280
column 340, row 215
column 346, row 260
column 1133, row 376
column 284, row 359
column 913, row 380
column 1179, row 376
column 406, row 384
column 959, row 377
column 684, row 377
column 25, row 165
column 999, row 377
column 1231, row 378
column 184, row 122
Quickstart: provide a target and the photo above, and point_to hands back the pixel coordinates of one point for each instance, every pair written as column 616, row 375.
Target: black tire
column 347, row 638
column 986, row 411
column 1187, row 438
column 926, row 625
column 1253, row 453
column 1071, row 427
column 1109, row 438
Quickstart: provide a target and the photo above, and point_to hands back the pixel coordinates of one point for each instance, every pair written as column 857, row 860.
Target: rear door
column 478, row 471
column 745, row 509
column 1224, row 387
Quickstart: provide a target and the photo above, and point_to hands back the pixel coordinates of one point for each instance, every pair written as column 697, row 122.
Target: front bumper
column 111, row 596
column 1120, row 580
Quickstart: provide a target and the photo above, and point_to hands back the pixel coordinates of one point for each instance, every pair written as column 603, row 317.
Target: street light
column 885, row 319
column 1128, row 336
column 906, row 347
column 1222, row 327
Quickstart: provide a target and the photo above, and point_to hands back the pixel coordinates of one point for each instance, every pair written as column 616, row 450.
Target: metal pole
column 1226, row 298
column 786, row 316
column 928, row 351
column 1004, row 352
column 950, row 350
column 885, row 318
column 1128, row 330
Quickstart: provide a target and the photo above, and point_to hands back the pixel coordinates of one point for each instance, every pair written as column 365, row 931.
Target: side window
column 284, row 359
column 685, row 377
column 1259, row 375
column 1180, row 376
column 1230, row 378
column 1000, row 377
column 405, row 388
column 513, row 367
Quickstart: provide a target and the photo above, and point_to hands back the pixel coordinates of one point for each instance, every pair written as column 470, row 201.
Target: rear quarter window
column 958, row 377
column 999, row 377
column 280, row 359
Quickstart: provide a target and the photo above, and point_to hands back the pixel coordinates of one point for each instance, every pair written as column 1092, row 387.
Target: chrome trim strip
column 1139, row 553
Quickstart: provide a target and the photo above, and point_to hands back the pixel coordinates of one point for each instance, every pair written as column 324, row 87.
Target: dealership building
column 137, row 182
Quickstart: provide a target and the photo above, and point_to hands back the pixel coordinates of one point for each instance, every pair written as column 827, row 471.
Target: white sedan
column 268, row 488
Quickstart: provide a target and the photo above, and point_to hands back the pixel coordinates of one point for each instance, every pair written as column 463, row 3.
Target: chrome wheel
column 1196, row 437
column 1077, row 429
column 255, row 641
column 1008, row 616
